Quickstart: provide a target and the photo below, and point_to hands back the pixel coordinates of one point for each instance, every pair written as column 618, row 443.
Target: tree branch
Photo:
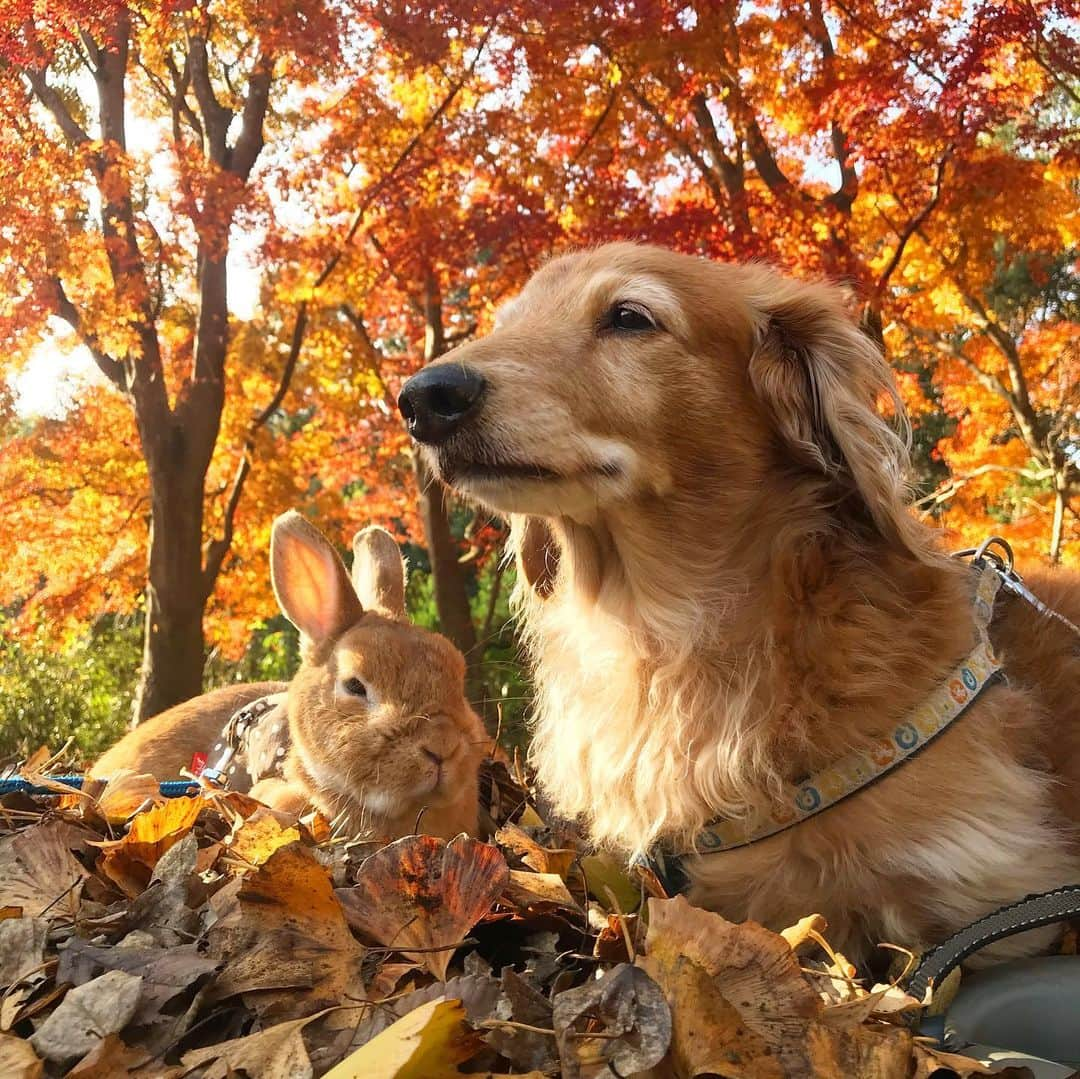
column 241, row 158
column 217, row 549
column 371, row 350
column 915, row 223
column 51, row 99
column 730, row 170
column 216, row 117
column 111, row 368
column 373, row 192
column 181, row 81
column 1023, row 411
column 605, row 112
column 712, row 182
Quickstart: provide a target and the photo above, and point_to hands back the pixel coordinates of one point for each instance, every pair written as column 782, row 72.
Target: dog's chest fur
column 636, row 747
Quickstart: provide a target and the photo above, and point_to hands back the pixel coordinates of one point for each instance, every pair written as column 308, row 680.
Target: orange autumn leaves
column 207, row 933
column 920, row 156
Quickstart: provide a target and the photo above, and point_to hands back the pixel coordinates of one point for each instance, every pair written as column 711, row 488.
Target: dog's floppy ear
column 822, row 380
column 537, row 553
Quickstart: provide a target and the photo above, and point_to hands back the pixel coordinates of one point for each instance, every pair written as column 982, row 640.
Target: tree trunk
column 1057, row 531
column 173, row 646
column 451, row 595
column 177, row 441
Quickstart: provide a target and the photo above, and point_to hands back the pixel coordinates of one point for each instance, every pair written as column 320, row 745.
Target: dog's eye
column 355, row 687
column 631, row 317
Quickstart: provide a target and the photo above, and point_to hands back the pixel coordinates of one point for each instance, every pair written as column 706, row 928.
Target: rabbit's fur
column 381, row 737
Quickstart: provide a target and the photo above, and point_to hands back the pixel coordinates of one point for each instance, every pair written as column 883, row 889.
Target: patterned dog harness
column 812, row 794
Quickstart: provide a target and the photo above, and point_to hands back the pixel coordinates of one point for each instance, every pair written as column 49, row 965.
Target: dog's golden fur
column 722, row 589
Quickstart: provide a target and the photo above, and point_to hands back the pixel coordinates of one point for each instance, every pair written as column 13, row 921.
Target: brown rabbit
column 170, row 741
column 379, row 731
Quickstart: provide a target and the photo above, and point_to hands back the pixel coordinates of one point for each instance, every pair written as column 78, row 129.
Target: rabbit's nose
column 437, row 401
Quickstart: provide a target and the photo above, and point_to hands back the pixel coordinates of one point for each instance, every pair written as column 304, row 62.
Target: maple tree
column 137, row 264
column 146, row 292
column 927, row 157
column 413, row 165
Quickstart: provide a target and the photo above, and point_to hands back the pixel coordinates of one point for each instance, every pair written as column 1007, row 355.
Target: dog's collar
column 857, row 770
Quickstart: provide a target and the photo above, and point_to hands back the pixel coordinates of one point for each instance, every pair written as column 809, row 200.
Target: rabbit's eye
column 355, row 687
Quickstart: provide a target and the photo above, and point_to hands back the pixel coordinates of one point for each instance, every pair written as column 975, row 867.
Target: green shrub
column 82, row 690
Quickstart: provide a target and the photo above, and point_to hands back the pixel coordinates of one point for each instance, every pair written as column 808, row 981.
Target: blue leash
column 178, row 788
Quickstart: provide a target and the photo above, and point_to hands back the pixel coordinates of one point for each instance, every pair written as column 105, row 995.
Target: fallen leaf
column 868, row 1051
column 18, row 1059
column 428, row 1043
column 253, row 840
column 708, row 1033
column 854, row 1011
column 480, row 994
column 129, row 862
column 125, row 794
column 86, row 1015
column 282, row 926
column 527, row 890
column 754, row 970
column 891, row 999
column 422, row 893
column 109, row 1059
column 803, row 931
column 533, row 854
column 162, row 910
column 614, row 942
column 165, row 972
column 525, row 1048
column 37, row 759
column 757, row 975
column 933, row 1063
column 942, row 996
column 607, row 876
column 636, row 1023
column 39, row 873
column 275, row 1053
column 22, row 947
column 530, row 818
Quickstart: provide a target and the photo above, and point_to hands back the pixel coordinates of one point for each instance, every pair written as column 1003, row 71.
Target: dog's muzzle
column 437, row 401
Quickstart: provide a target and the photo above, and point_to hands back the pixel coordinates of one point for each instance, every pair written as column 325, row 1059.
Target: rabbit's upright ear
column 378, row 571
column 310, row 581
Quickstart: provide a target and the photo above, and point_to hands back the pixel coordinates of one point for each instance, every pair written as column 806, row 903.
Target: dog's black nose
column 437, row 400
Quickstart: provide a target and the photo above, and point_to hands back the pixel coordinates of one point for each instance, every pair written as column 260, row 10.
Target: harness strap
column 1032, row 912
column 997, row 552
column 233, row 747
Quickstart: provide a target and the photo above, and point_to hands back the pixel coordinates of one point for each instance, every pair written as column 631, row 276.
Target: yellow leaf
column 256, row 838
column 428, row 1043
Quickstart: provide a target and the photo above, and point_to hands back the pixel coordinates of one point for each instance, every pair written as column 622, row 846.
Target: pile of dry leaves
column 208, row 937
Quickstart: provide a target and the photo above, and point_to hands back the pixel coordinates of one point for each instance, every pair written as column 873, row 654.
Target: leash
column 179, row 788
column 1032, row 912
column 233, row 741
column 996, row 552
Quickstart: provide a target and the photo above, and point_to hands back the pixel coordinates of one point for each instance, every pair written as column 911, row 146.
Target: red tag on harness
column 198, row 763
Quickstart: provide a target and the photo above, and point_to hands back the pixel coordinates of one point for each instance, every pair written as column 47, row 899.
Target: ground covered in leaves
column 209, row 937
